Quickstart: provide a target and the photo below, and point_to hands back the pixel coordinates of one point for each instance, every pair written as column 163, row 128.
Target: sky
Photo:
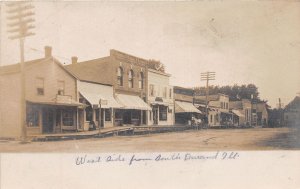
column 243, row 42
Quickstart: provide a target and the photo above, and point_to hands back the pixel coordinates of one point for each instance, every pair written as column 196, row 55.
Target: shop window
column 120, row 76
column 141, row 80
column 32, row 117
column 135, row 114
column 40, row 86
column 130, row 79
column 68, row 118
column 118, row 115
column 107, row 114
column 163, row 113
column 89, row 114
column 61, row 88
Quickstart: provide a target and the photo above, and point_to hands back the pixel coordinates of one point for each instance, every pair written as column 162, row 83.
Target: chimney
column 74, row 59
column 48, row 51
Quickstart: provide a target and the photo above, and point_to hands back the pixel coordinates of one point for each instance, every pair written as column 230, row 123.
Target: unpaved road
column 203, row 140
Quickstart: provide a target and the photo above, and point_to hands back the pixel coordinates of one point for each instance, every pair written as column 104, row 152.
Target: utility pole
column 19, row 23
column 207, row 76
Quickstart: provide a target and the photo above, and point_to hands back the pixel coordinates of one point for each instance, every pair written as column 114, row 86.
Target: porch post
column 77, row 120
column 54, row 121
column 41, row 119
column 112, row 117
column 94, row 115
column 103, row 118
column 61, row 118
column 141, row 119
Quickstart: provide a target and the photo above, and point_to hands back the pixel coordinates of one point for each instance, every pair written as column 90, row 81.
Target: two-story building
column 218, row 109
column 160, row 98
column 127, row 75
column 242, row 110
column 184, row 105
column 260, row 114
column 51, row 98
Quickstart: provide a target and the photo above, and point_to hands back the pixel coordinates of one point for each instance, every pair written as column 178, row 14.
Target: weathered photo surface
column 150, row 84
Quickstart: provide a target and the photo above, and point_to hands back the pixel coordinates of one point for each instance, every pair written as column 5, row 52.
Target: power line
column 207, row 76
column 20, row 23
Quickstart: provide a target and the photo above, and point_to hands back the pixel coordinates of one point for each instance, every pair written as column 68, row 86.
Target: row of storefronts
column 106, row 92
column 117, row 90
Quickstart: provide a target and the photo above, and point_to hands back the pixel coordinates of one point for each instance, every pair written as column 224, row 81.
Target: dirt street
column 202, row 140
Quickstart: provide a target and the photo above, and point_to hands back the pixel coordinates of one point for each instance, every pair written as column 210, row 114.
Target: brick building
column 127, row 75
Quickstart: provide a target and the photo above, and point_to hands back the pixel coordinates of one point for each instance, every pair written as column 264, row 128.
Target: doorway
column 47, row 117
column 127, row 117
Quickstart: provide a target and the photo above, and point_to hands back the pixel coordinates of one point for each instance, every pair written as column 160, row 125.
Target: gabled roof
column 16, row 68
column 88, row 70
column 294, row 104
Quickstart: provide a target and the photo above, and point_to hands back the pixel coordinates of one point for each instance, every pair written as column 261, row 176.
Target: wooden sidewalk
column 81, row 135
column 112, row 131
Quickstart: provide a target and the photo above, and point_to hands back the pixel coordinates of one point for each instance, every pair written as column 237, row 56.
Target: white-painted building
column 160, row 98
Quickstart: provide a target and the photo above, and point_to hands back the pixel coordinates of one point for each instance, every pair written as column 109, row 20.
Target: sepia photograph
column 153, row 84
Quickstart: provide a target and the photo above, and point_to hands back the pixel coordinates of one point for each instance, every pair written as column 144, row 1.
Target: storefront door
column 48, row 123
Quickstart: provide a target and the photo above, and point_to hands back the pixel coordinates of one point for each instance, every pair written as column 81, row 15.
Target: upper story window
column 170, row 93
column 61, row 87
column 141, row 80
column 151, row 90
column 120, row 76
column 40, row 86
column 130, row 79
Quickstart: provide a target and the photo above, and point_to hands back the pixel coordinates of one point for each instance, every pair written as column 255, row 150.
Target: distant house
column 261, row 114
column 218, row 109
column 292, row 113
column 51, row 98
column 184, row 105
column 242, row 111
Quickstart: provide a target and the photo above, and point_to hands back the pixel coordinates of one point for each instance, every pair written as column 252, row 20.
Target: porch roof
column 58, row 101
column 94, row 92
column 181, row 107
column 132, row 102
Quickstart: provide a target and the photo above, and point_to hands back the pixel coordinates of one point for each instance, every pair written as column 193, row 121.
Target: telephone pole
column 207, row 76
column 19, row 23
